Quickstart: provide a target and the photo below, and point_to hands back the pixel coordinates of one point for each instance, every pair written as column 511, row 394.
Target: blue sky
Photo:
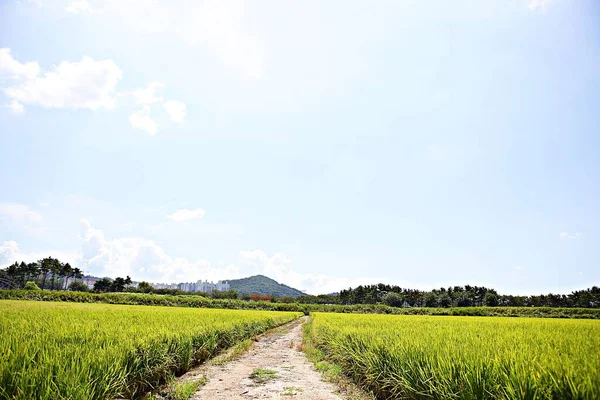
column 325, row 144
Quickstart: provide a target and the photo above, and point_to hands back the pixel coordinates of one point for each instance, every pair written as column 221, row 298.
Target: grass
column 55, row 351
column 185, row 390
column 423, row 357
column 260, row 376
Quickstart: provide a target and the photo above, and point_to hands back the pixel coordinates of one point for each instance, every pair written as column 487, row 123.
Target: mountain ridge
column 261, row 284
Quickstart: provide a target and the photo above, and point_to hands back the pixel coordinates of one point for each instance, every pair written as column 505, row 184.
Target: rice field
column 428, row 357
column 97, row 351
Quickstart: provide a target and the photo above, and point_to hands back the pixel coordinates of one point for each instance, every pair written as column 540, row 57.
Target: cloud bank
column 86, row 84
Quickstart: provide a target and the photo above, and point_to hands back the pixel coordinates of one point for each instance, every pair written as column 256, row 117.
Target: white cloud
column 570, row 235
column 519, row 268
column 83, row 84
column 20, row 216
column 12, row 69
column 148, row 95
column 186, row 215
column 176, row 109
column 10, row 252
column 538, row 5
column 15, row 107
column 142, row 259
column 141, row 120
column 219, row 26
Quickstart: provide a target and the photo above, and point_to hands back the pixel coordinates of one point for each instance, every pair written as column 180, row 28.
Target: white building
column 200, row 286
column 207, row 287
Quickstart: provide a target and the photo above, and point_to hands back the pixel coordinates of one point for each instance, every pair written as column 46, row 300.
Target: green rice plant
column 97, row 351
column 425, row 357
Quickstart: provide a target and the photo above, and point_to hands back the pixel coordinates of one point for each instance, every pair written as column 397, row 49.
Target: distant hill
column 263, row 285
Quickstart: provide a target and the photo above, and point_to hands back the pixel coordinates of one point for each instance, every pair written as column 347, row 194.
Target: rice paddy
column 425, row 357
column 97, row 351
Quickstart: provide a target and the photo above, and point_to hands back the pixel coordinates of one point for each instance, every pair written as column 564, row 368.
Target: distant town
column 198, row 286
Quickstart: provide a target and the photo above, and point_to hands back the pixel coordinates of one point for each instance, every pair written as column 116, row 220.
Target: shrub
column 31, row 286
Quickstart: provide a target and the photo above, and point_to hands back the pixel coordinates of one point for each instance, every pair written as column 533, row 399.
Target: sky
column 323, row 144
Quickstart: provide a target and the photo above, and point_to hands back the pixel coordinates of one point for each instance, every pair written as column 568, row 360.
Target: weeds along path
column 272, row 368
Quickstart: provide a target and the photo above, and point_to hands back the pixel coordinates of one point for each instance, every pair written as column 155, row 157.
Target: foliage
column 465, row 296
column 225, row 294
column 31, row 286
column 46, row 272
column 261, row 284
column 102, row 285
column 78, row 286
column 203, row 302
column 94, row 351
column 491, row 299
column 424, row 357
column 430, row 300
column 392, row 299
column 50, row 273
column 145, row 287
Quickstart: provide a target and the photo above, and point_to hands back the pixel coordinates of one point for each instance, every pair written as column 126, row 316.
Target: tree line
column 463, row 296
column 48, row 273
column 52, row 274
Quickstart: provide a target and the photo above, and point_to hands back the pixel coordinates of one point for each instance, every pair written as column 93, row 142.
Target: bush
column 78, row 286
column 31, row 286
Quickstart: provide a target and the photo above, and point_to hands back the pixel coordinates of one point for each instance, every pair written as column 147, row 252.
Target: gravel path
column 290, row 375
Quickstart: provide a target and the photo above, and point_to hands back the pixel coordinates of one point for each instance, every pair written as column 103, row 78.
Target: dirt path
column 286, row 373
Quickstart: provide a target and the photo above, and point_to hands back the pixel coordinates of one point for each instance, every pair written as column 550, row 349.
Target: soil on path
column 295, row 376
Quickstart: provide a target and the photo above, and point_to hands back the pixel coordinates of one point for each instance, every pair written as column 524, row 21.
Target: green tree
column 431, row 300
column 66, row 271
column 444, row 300
column 145, row 287
column 55, row 269
column 78, row 286
column 33, row 271
column 45, row 269
column 102, row 285
column 392, row 299
column 12, row 272
column 490, row 299
column 117, row 285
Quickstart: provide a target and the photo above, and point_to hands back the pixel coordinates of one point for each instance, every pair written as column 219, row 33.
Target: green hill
column 263, row 285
